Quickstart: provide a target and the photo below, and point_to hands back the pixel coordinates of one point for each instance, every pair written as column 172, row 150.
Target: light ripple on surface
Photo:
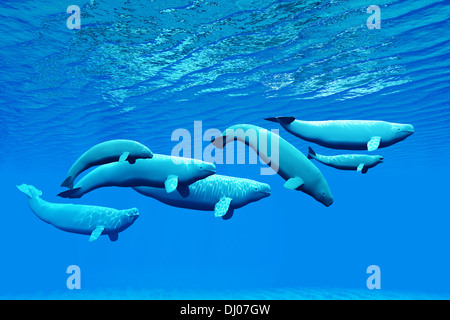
column 142, row 70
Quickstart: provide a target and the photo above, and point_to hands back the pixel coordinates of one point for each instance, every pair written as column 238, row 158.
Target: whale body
column 106, row 152
column 221, row 194
column 81, row 219
column 358, row 162
column 347, row 134
column 292, row 165
column 161, row 171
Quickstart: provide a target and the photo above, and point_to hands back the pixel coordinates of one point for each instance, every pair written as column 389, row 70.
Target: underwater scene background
column 142, row 69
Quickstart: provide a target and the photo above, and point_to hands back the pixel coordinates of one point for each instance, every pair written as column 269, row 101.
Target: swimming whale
column 347, row 134
column 106, row 152
column 292, row 165
column 82, row 219
column 221, row 194
column 358, row 162
column 161, row 171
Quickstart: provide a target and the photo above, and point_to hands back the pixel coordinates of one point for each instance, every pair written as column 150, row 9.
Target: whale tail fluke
column 29, row 190
column 72, row 193
column 311, row 153
column 283, row 120
column 67, row 183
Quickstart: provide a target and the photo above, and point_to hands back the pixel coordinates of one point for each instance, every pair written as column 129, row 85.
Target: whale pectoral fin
column 360, row 167
column 221, row 207
column 183, row 190
column 229, row 214
column 113, row 236
column 171, row 183
column 374, row 143
column 293, row 183
column 96, row 233
column 124, row 156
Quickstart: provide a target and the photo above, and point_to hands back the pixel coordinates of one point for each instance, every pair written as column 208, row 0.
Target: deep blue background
column 142, row 70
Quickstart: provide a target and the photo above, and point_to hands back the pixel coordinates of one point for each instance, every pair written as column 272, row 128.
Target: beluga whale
column 358, row 162
column 81, row 219
column 221, row 194
column 161, row 171
column 347, row 134
column 292, row 165
column 106, row 152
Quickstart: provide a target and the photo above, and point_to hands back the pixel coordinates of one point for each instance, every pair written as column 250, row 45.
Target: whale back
column 283, row 157
column 106, row 152
column 348, row 134
column 144, row 172
column 83, row 219
column 206, row 193
column 275, row 151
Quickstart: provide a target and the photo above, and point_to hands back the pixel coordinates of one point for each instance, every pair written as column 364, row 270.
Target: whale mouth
column 210, row 171
column 133, row 212
column 409, row 129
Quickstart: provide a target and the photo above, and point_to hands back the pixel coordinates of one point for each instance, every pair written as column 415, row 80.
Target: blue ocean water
column 142, row 69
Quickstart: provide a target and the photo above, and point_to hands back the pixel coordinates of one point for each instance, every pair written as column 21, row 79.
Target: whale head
column 130, row 215
column 204, row 169
column 259, row 191
column 321, row 192
column 138, row 151
column 402, row 131
column 146, row 153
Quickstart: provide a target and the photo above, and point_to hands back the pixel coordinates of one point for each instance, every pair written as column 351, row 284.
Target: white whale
column 161, row 171
column 347, row 134
column 106, row 152
column 358, row 162
column 82, row 219
column 221, row 194
column 292, row 165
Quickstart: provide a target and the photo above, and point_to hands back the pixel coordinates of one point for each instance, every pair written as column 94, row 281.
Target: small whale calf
column 293, row 166
column 347, row 134
column 82, row 219
column 161, row 171
column 106, row 152
column 221, row 194
column 358, row 162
